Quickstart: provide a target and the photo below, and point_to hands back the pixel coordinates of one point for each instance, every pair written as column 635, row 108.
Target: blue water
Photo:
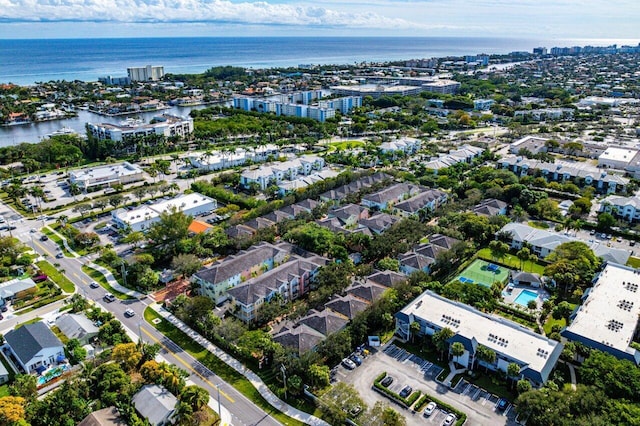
column 525, row 296
column 29, row 61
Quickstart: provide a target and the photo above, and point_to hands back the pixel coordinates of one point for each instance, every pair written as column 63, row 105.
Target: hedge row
column 517, row 312
column 426, row 398
column 460, row 416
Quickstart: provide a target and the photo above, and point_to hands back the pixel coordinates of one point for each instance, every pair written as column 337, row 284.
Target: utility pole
column 284, row 379
column 219, row 406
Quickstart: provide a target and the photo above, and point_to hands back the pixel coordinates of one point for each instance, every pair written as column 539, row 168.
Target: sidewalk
column 237, row 365
column 114, row 283
column 64, row 241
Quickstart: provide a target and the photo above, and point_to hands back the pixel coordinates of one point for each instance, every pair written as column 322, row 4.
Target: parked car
column 386, row 381
column 502, row 404
column 347, row 363
column 449, row 420
column 59, row 255
column 632, row 243
column 355, row 358
column 129, row 313
column 430, row 408
column 406, row 391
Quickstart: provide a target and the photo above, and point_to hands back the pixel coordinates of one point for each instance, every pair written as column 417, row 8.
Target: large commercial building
column 512, row 343
column 447, row 87
column 376, row 90
column 99, row 177
column 607, row 320
column 141, row 218
column 147, row 73
column 164, row 125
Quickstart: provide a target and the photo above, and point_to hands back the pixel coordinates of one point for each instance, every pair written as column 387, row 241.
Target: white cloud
column 222, row 11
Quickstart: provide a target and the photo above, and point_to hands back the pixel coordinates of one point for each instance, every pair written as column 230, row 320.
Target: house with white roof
column 465, row 154
column 275, row 173
column 627, row 208
column 103, row 176
column 619, row 157
column 512, row 343
column 543, row 242
column 407, row 145
column 580, row 173
column 607, row 319
column 141, row 218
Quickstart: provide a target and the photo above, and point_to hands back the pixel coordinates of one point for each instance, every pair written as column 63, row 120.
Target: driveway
column 407, row 369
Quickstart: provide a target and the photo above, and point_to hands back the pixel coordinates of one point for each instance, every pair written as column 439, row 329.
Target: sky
column 551, row 19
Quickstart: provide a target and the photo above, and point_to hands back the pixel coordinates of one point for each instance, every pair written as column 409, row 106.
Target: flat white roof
column 609, row 315
column 105, row 172
column 147, row 212
column 618, row 154
column 497, row 333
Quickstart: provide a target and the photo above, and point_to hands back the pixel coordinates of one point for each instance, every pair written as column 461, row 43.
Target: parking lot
column 408, row 369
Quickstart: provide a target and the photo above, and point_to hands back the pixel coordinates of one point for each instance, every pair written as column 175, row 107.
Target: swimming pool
column 525, row 296
column 52, row 373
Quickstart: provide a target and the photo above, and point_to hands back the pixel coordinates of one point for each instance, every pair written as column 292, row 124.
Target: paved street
column 243, row 411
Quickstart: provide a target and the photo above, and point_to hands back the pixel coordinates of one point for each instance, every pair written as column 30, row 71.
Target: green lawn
column 56, row 239
column 492, row 383
column 634, row 262
column 424, row 350
column 98, row 277
column 216, row 365
column 512, row 261
column 55, row 276
column 333, row 146
column 551, row 321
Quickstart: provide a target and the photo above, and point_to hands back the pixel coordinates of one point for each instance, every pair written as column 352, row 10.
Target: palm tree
column 440, row 339
column 195, row 396
column 62, row 220
column 415, row 330
column 457, row 350
column 486, row 355
column 513, row 371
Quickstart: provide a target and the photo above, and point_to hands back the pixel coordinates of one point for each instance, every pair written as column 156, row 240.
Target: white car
column 449, row 420
column 129, row 313
column 430, row 408
column 348, row 364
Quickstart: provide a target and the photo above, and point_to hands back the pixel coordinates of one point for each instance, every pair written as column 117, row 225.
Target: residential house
column 423, row 256
column 626, row 208
column 580, row 173
column 464, row 154
column 490, row 207
column 543, row 242
column 300, row 337
column 378, row 223
column 156, row 404
column 391, row 195
column 34, row 347
column 535, row 354
column 215, row 280
column 405, row 145
column 427, row 201
column 348, row 305
column 287, row 281
column 106, row 417
column 9, row 289
column 349, row 215
column 77, row 326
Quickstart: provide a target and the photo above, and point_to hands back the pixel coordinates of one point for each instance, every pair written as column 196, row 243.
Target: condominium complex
column 99, row 177
column 607, row 319
column 147, row 73
column 322, row 111
column 164, row 125
column 535, row 354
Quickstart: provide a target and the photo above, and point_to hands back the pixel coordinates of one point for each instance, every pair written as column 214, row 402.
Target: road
column 243, row 411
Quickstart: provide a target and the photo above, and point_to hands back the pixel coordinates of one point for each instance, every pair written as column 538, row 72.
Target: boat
column 63, row 131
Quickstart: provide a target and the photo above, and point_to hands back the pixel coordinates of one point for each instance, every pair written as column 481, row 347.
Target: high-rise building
column 148, row 73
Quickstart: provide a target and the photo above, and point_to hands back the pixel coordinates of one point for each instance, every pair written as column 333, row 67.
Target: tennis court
column 483, row 273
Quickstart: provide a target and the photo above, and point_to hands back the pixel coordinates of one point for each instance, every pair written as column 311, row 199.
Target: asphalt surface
column 243, row 411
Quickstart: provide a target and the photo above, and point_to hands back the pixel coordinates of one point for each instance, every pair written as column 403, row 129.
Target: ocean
column 25, row 62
